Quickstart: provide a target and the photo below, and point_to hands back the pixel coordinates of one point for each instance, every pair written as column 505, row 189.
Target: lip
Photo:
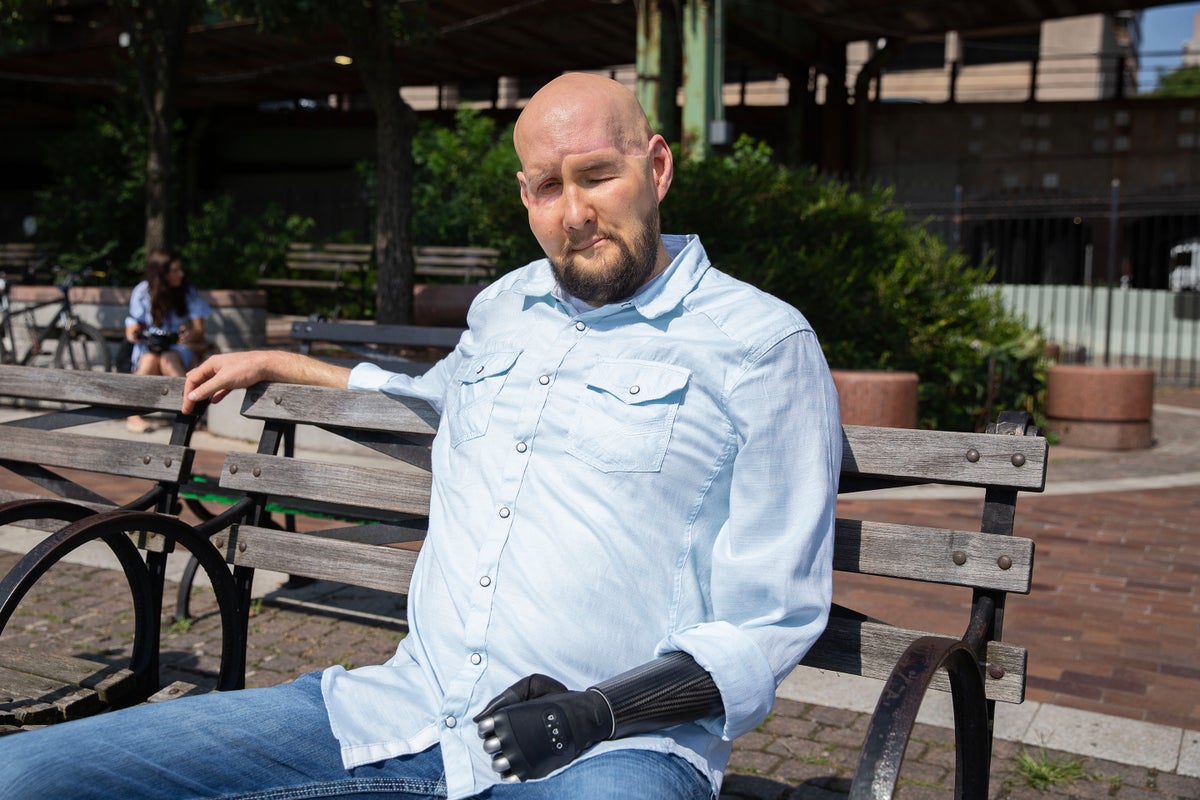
column 588, row 245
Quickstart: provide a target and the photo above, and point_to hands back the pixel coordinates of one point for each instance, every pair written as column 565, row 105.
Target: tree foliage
column 881, row 292
column 1181, row 82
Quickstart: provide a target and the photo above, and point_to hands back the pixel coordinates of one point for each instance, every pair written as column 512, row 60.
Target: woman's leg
column 256, row 743
column 148, row 364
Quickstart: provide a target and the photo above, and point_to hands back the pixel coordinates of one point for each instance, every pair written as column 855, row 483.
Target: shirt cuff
column 739, row 669
column 369, row 376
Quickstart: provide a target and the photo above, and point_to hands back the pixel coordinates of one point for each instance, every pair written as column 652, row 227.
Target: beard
column 602, row 284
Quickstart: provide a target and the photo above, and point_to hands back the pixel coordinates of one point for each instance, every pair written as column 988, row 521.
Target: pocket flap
column 487, row 365
column 637, row 382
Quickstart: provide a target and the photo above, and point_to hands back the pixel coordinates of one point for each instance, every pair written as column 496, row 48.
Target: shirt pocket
column 626, row 414
column 474, row 392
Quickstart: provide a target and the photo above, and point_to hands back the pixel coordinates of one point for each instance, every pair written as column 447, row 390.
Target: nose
column 578, row 213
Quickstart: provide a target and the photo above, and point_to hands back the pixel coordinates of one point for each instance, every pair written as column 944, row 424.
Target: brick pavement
column 1111, row 626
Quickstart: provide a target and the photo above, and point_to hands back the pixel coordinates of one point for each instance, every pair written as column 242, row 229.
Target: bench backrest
column 987, row 562
column 386, row 345
column 378, row 504
column 45, row 433
column 468, row 263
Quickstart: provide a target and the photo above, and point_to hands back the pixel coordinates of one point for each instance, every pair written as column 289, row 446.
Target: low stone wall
column 238, row 321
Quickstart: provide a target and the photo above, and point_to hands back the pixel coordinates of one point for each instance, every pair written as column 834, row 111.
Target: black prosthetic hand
column 536, row 725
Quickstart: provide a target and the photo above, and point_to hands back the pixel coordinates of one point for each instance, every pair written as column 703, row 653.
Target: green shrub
column 224, row 249
column 465, row 189
column 881, row 292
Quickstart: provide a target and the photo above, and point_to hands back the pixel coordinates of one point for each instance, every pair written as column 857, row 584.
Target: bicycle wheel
column 85, row 348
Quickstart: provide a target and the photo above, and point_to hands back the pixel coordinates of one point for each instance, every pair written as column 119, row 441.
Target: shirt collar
column 661, row 296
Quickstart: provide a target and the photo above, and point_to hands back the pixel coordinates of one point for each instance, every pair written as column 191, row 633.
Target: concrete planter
column 238, row 321
column 1106, row 408
column 876, row 397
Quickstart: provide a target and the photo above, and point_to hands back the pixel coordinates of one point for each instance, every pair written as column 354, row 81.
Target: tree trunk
column 157, row 29
column 372, row 41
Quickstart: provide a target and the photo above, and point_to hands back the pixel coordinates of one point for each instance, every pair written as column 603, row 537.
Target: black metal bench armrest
column 896, row 712
column 112, row 528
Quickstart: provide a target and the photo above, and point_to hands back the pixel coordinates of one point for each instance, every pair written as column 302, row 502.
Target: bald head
column 583, row 112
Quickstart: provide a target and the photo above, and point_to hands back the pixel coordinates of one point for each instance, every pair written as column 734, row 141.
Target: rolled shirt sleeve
column 772, row 561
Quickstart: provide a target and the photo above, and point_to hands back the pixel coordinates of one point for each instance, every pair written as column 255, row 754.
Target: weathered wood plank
column 131, row 459
column 359, row 333
column 118, row 390
column 111, row 682
column 314, row 405
column 405, row 492
column 933, row 555
column 978, row 459
column 299, row 283
column 388, row 569
column 871, row 649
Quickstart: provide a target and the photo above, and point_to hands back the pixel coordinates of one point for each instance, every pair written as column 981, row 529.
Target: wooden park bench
column 410, row 349
column 468, row 263
column 67, row 469
column 987, row 562
column 18, row 259
column 338, row 269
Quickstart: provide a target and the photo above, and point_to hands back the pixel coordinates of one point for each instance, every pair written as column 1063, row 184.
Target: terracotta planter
column 1106, row 408
column 876, row 397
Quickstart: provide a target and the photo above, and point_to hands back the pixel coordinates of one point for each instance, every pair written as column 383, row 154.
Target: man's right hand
column 219, row 375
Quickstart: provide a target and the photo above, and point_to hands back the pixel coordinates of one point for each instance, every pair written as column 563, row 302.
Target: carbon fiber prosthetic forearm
column 666, row 691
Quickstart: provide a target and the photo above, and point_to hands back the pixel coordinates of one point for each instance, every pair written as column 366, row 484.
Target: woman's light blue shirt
column 609, row 486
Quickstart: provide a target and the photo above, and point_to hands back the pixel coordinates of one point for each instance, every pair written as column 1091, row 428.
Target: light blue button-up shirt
column 609, row 486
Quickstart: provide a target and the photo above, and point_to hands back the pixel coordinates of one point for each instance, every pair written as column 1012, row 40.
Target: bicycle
column 76, row 344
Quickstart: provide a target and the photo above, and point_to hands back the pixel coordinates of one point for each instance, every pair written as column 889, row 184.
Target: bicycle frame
column 59, row 326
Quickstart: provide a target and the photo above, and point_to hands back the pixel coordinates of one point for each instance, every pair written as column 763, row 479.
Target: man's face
column 594, row 211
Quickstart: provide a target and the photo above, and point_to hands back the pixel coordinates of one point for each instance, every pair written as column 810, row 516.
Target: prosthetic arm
column 536, row 725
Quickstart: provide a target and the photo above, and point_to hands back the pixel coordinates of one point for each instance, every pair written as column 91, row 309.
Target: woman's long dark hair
column 164, row 297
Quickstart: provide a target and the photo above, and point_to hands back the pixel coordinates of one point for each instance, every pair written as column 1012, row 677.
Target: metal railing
column 1091, row 271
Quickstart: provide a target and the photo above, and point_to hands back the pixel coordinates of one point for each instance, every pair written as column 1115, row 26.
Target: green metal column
column 657, row 54
column 703, row 72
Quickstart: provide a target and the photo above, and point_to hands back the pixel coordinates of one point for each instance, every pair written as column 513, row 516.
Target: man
column 636, row 540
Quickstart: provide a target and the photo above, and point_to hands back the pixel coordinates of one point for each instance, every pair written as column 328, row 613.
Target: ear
column 524, row 189
column 662, row 165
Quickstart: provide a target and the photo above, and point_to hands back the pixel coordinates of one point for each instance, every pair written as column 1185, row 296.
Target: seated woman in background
column 165, row 323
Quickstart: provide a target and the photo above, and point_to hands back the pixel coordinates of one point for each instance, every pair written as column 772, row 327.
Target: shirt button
column 476, row 659
column 544, row 380
column 485, row 581
column 504, row 512
column 451, row 722
column 522, row 447
column 579, row 326
column 634, row 389
column 479, row 370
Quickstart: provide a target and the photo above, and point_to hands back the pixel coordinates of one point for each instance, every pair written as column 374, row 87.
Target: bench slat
column 146, row 460
column 929, row 554
column 871, row 649
column 315, row 405
column 388, row 569
column 152, row 392
column 976, row 459
column 358, row 333
column 110, row 682
column 300, row 283
column 354, row 485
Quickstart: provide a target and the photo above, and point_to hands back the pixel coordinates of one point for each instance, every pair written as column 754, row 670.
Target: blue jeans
column 275, row 744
